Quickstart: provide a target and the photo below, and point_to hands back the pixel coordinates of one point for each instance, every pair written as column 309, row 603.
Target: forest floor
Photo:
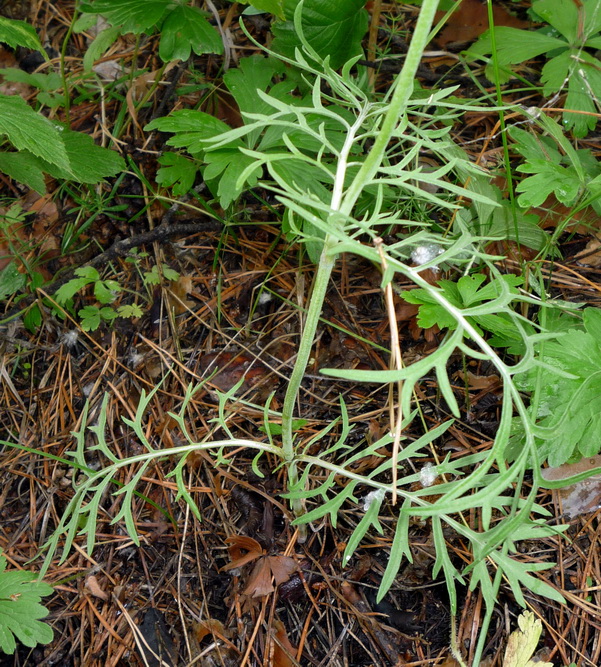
column 201, row 592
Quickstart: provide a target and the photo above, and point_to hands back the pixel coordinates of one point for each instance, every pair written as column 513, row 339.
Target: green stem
column 345, row 202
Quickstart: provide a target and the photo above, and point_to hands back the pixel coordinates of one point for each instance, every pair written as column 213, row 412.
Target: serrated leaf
column 130, row 310
column 227, row 165
column 252, row 74
column 333, row 28
column 18, row 33
column 29, row 130
column 561, row 14
column 135, row 16
column 515, row 46
column 67, row 291
column 90, row 163
column 185, row 30
column 176, row 172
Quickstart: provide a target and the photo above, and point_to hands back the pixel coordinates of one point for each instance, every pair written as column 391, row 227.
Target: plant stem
column 403, row 89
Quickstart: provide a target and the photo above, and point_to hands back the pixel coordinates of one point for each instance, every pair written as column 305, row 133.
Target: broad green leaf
column 185, row 30
column 18, row 33
column 554, row 73
column 48, row 82
column 130, row 311
column 584, row 92
column 29, row 130
column 100, row 46
column 24, row 168
column 515, row 46
column 89, row 162
column 333, row 28
column 561, row 14
column 252, row 74
column 176, row 172
column 20, row 609
column 11, row 280
column 135, row 16
column 228, row 165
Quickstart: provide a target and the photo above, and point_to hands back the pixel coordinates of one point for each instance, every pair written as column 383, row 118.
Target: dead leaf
column 471, row 20
column 238, row 545
column 580, row 498
column 140, row 86
column 283, row 651
column 95, row 589
column 260, row 581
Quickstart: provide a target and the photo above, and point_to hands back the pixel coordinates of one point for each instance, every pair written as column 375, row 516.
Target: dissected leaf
column 20, row 609
column 176, row 172
column 185, row 30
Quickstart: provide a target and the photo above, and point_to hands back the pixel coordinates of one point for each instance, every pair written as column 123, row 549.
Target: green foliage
column 566, row 387
column 183, row 28
column 333, row 28
column 20, row 609
column 469, row 291
column 275, row 7
column 47, row 84
column 18, row 33
column 105, row 292
column 574, row 29
column 556, row 167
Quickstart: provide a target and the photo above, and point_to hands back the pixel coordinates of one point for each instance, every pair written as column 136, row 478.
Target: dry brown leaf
column 283, row 651
column 93, row 586
column 580, row 498
column 471, row 20
column 238, row 545
column 140, row 86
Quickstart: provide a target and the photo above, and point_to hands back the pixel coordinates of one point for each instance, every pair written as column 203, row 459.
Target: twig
column 120, row 249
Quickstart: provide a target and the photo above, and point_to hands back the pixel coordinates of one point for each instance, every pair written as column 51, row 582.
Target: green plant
column 573, row 28
column 105, row 292
column 183, row 27
column 566, row 388
column 20, row 609
column 345, row 165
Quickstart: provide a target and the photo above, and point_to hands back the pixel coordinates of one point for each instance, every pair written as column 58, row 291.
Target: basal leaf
column 333, row 28
column 191, row 129
column 185, row 30
column 252, row 74
column 99, row 46
column 515, row 46
column 275, row 7
column 18, row 33
column 89, row 162
column 11, row 280
column 228, row 165
column 561, row 14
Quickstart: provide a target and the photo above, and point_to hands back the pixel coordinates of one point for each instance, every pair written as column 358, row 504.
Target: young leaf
column 185, row 30
column 11, row 281
column 20, row 609
column 100, row 46
column 522, row 643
